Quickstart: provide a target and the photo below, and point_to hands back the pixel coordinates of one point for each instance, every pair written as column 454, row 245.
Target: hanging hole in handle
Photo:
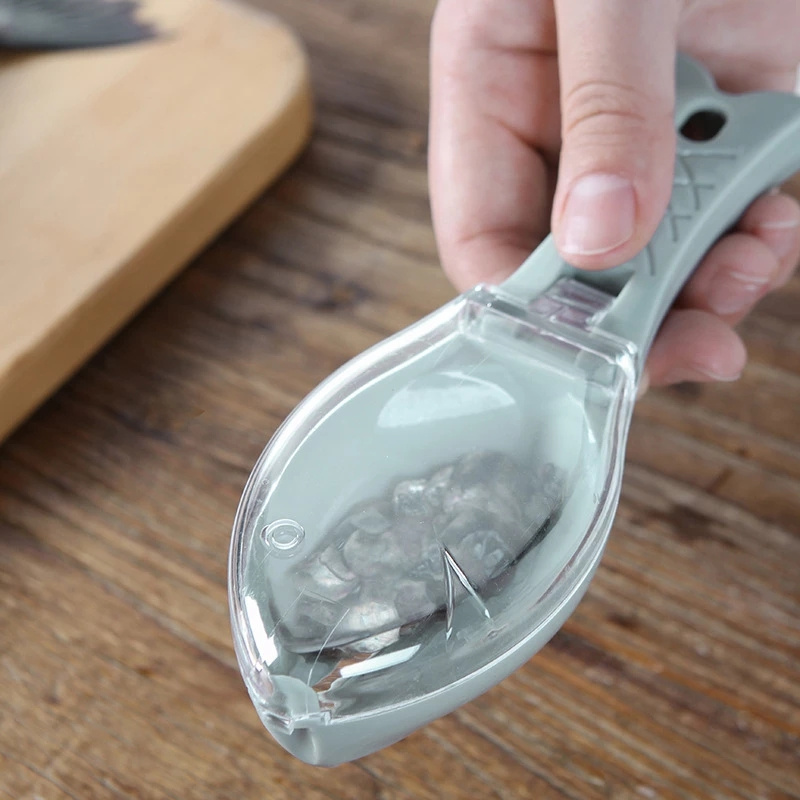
column 703, row 126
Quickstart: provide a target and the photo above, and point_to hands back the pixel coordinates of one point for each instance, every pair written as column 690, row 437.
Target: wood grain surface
column 118, row 165
column 678, row 675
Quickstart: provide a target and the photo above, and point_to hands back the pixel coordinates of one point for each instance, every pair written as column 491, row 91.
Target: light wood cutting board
column 118, row 165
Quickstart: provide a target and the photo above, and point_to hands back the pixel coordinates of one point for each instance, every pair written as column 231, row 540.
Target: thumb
column 617, row 73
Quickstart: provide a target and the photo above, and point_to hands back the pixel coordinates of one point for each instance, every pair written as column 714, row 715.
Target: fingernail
column 780, row 224
column 644, row 385
column 780, row 236
column 599, row 215
column 729, row 295
column 697, row 374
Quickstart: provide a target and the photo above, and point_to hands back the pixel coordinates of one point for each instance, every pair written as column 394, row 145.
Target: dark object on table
column 61, row 24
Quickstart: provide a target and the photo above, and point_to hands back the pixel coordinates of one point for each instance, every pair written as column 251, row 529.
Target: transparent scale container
column 458, row 494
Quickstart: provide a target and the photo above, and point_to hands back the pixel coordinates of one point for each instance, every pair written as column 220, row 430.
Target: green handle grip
column 757, row 147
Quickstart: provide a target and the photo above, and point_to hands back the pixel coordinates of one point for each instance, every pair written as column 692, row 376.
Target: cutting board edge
column 73, row 338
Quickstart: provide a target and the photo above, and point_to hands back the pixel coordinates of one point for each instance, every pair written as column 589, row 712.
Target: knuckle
column 493, row 27
column 465, row 20
column 610, row 109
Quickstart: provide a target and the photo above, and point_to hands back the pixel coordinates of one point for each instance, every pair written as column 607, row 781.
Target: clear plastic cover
column 427, row 507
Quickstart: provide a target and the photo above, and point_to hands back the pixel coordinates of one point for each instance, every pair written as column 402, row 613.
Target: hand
column 520, row 88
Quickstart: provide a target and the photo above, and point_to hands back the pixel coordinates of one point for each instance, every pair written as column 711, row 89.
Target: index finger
column 493, row 97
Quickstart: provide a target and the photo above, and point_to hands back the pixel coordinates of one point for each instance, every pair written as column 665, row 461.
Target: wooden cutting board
column 118, row 165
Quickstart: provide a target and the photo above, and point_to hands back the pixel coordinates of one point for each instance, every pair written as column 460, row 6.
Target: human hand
column 524, row 89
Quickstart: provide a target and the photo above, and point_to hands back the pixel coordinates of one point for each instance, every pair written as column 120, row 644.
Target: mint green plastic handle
column 757, row 148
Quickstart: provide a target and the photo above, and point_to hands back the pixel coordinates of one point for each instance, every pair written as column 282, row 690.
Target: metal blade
column 62, row 24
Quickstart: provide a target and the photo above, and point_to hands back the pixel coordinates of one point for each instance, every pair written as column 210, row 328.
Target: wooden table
column 677, row 676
